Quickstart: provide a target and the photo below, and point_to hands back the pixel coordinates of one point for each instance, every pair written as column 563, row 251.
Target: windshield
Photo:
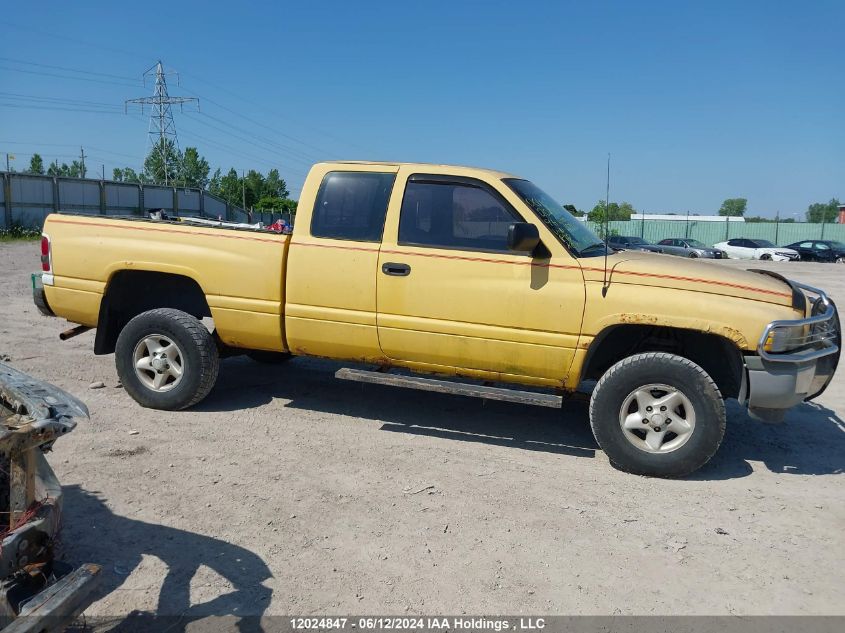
column 572, row 233
column 695, row 244
column 763, row 243
column 837, row 245
column 634, row 240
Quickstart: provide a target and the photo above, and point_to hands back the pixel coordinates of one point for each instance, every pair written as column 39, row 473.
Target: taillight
column 46, row 262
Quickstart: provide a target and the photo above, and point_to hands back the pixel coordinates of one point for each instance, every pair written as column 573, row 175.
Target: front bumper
column 779, row 381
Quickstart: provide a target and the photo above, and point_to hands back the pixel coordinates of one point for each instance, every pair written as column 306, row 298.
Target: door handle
column 397, row 270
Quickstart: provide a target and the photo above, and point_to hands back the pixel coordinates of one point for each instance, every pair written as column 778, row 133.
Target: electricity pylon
column 162, row 127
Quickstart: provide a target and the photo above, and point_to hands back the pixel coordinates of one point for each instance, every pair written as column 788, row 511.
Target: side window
column 805, row 245
column 352, row 206
column 735, row 242
column 454, row 215
column 666, row 242
column 822, row 246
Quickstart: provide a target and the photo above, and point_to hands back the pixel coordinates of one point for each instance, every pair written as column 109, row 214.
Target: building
column 692, row 218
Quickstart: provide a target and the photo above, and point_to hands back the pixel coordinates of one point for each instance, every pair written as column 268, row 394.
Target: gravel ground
column 290, row 492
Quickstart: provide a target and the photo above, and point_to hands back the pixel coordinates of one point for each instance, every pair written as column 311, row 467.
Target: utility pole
column 243, row 196
column 82, row 162
column 7, row 162
column 777, row 226
column 162, row 129
column 104, row 172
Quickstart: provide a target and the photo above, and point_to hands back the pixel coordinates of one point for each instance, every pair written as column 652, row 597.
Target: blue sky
column 696, row 102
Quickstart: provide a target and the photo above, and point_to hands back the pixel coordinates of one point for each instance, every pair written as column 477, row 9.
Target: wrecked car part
column 33, row 415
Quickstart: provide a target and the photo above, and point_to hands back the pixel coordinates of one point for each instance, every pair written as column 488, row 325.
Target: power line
column 66, row 68
column 255, row 141
column 37, row 72
column 138, row 55
column 9, row 95
column 37, row 107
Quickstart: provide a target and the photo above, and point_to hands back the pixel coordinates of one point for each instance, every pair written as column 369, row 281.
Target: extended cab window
column 352, row 206
column 454, row 215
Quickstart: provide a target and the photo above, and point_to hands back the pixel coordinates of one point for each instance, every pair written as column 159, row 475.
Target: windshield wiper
column 592, row 246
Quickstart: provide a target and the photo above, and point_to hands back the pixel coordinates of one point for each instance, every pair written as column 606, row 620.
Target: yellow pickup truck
column 467, row 273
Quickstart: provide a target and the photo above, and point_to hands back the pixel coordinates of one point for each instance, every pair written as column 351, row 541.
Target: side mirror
column 523, row 237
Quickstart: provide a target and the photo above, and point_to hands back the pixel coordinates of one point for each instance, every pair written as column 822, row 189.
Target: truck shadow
column 810, row 442
column 310, row 384
column 93, row 533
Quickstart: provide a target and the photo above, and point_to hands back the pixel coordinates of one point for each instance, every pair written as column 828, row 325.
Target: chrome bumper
column 778, row 381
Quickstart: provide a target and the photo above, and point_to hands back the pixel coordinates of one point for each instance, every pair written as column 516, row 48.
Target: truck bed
column 240, row 271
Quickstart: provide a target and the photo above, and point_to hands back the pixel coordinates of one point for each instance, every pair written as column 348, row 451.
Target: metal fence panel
column 188, row 202
column 30, row 215
column 32, row 197
column 710, row 233
column 213, row 207
column 122, row 199
column 79, row 196
column 158, row 197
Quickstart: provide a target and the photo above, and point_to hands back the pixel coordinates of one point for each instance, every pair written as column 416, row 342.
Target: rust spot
column 638, row 318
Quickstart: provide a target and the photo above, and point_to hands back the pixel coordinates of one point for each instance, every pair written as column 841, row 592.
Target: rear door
column 452, row 296
column 330, row 291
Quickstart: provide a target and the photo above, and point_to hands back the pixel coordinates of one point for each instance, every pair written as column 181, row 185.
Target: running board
column 445, row 386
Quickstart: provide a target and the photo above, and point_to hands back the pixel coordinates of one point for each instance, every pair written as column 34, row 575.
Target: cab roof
column 490, row 172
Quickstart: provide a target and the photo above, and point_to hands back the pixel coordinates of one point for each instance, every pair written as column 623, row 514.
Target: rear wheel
column 692, row 255
column 657, row 414
column 166, row 359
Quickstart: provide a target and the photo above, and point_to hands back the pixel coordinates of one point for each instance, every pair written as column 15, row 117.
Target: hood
column 647, row 269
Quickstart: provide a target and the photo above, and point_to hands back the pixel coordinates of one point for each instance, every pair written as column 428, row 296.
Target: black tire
column 198, row 354
column 692, row 255
column 631, row 374
column 269, row 358
column 765, row 257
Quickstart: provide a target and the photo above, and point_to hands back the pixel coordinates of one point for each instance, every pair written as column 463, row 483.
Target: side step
column 445, row 386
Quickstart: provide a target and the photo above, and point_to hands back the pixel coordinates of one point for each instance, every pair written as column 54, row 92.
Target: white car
column 742, row 248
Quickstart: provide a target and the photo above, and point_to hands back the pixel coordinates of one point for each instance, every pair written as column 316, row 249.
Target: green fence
column 781, row 233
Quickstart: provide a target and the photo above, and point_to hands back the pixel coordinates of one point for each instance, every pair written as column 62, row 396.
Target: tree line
column 166, row 164
column 817, row 212
column 253, row 190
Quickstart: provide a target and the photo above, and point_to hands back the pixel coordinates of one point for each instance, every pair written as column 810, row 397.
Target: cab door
column 453, row 298
column 330, row 289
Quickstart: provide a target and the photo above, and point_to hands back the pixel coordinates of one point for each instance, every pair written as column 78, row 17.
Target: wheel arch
column 131, row 292
column 719, row 356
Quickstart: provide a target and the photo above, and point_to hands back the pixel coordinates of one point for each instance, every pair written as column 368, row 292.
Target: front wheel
column 765, row 257
column 657, row 414
column 166, row 359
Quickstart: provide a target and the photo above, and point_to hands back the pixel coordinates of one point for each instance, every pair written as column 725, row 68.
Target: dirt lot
column 290, row 492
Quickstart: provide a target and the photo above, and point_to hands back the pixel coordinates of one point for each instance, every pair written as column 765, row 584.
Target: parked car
column 468, row 273
column 631, row 243
column 689, row 248
column 743, row 248
column 820, row 250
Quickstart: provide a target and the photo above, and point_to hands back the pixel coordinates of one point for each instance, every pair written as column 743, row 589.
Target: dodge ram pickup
column 460, row 272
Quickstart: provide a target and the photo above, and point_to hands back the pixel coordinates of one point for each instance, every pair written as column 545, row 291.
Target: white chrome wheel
column 159, row 363
column 657, row 418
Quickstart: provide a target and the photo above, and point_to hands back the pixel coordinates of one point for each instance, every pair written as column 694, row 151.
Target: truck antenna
column 606, row 228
